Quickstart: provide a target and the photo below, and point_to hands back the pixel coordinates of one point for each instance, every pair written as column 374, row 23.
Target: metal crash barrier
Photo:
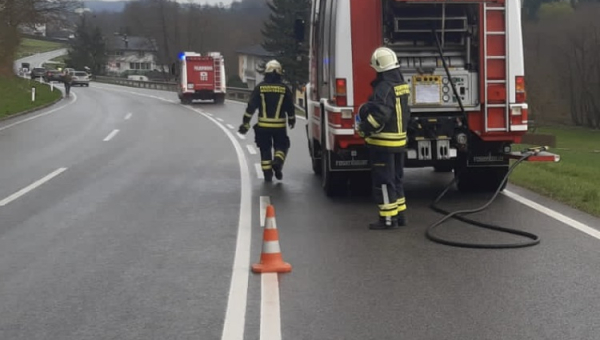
column 233, row 93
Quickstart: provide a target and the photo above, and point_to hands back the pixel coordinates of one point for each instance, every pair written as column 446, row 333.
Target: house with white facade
column 131, row 55
column 250, row 58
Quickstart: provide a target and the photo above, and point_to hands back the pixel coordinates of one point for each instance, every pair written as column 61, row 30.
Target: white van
column 138, row 78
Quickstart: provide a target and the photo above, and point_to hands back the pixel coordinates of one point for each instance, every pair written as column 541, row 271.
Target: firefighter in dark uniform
column 382, row 122
column 275, row 105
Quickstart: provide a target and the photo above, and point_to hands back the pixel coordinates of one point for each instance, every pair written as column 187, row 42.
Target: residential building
column 35, row 29
column 250, row 59
column 131, row 55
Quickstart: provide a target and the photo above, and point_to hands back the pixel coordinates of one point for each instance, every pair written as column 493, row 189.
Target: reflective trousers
column 387, row 173
column 266, row 140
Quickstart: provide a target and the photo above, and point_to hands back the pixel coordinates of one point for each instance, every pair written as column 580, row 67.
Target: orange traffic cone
column 271, row 260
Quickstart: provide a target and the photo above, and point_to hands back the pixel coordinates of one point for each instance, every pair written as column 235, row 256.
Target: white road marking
column 210, row 114
column 554, row 214
column 270, row 314
column 235, row 316
column 251, row 149
column 220, row 119
column 31, row 187
column 128, row 116
column 259, row 172
column 41, row 114
column 241, row 136
column 230, row 126
column 111, row 135
column 264, row 202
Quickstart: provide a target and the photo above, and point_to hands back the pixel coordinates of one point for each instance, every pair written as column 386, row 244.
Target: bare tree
column 15, row 13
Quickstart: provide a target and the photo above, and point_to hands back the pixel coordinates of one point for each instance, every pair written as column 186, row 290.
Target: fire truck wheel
column 316, row 163
column 316, row 166
column 484, row 179
column 443, row 167
column 361, row 183
column 334, row 183
column 219, row 99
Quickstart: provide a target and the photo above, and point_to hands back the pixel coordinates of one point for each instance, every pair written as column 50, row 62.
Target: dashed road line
column 111, row 135
column 259, row 172
column 264, row 202
column 32, row 186
column 270, row 314
column 240, row 136
column 251, row 149
column 128, row 116
column 235, row 315
column 220, row 119
column 230, row 126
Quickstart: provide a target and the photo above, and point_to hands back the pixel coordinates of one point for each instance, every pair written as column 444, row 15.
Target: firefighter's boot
column 277, row 167
column 401, row 219
column 268, row 174
column 384, row 224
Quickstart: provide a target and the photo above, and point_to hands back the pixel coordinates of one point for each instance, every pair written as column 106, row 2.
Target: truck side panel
column 365, row 39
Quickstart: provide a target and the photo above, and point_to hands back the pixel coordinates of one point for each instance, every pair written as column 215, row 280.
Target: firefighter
column 274, row 102
column 382, row 122
column 67, row 79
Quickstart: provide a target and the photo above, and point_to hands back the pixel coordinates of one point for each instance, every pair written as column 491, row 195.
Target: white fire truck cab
column 463, row 61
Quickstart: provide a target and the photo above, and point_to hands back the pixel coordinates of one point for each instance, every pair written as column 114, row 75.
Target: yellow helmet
column 384, row 59
column 273, row 66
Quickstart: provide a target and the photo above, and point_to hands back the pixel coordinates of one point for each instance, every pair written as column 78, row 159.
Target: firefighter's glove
column 291, row 123
column 364, row 129
column 244, row 129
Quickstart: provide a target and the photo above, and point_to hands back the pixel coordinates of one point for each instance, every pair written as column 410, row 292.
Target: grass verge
column 31, row 46
column 575, row 180
column 15, row 95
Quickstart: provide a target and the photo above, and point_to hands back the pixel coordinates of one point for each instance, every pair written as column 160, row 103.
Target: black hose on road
column 459, row 215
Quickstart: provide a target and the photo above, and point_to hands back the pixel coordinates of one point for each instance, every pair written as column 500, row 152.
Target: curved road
column 123, row 213
column 37, row 60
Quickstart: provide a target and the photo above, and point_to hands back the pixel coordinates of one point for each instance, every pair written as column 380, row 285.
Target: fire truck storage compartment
column 408, row 30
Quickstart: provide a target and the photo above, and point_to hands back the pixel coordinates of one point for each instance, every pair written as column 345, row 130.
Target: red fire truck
column 463, row 61
column 200, row 77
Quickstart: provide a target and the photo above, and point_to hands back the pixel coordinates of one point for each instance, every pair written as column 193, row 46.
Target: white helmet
column 273, row 66
column 384, row 59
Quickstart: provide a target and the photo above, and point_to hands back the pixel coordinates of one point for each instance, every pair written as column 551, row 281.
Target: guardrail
column 233, row 93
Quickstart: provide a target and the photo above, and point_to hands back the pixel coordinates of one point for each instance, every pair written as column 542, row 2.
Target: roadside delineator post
column 32, row 94
column 271, row 260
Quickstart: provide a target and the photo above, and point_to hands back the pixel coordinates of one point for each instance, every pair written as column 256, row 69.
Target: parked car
column 52, row 75
column 81, row 78
column 37, row 72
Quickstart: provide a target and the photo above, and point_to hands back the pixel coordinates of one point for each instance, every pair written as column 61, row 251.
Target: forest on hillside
column 189, row 26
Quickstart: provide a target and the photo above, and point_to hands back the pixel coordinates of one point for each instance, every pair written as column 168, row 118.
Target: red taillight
column 335, row 118
column 340, row 92
column 520, row 95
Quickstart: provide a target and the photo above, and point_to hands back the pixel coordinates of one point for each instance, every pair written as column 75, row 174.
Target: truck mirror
column 299, row 30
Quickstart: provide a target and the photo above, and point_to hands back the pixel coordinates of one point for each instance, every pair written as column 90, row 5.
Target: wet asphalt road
column 136, row 240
